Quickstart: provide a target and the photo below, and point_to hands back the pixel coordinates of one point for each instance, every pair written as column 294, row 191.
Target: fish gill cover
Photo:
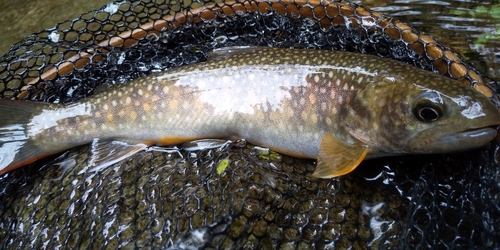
column 237, row 197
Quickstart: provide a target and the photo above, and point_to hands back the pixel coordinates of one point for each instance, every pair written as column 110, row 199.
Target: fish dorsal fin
column 106, row 153
column 221, row 53
column 336, row 158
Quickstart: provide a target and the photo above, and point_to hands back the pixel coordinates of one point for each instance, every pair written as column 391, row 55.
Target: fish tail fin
column 16, row 148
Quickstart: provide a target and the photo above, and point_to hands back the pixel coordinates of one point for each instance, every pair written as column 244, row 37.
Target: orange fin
column 107, row 153
column 336, row 158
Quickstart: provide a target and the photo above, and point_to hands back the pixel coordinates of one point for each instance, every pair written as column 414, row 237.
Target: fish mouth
column 461, row 141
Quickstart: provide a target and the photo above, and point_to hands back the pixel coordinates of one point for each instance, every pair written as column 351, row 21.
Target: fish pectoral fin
column 106, row 153
column 336, row 158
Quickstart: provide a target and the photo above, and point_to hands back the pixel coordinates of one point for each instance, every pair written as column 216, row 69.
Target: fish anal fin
column 106, row 153
column 336, row 158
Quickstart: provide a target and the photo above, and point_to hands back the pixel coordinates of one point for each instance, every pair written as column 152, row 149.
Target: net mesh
column 259, row 200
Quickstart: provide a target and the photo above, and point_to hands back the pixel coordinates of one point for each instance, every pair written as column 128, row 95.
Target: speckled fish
column 337, row 107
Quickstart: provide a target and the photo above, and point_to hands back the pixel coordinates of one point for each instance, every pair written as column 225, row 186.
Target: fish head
column 420, row 114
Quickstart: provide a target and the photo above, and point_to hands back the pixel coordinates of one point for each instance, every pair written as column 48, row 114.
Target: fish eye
column 428, row 107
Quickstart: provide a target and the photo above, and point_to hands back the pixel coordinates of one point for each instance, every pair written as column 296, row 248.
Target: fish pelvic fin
column 336, row 158
column 106, row 153
column 16, row 148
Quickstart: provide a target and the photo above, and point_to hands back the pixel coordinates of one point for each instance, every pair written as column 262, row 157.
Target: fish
column 339, row 108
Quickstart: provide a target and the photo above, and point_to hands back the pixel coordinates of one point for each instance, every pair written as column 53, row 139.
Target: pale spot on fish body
column 333, row 94
column 287, row 112
column 272, row 115
column 260, row 115
column 316, row 78
column 186, row 105
column 304, row 115
column 312, row 99
column 165, row 90
column 323, row 106
column 314, row 118
column 329, row 121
